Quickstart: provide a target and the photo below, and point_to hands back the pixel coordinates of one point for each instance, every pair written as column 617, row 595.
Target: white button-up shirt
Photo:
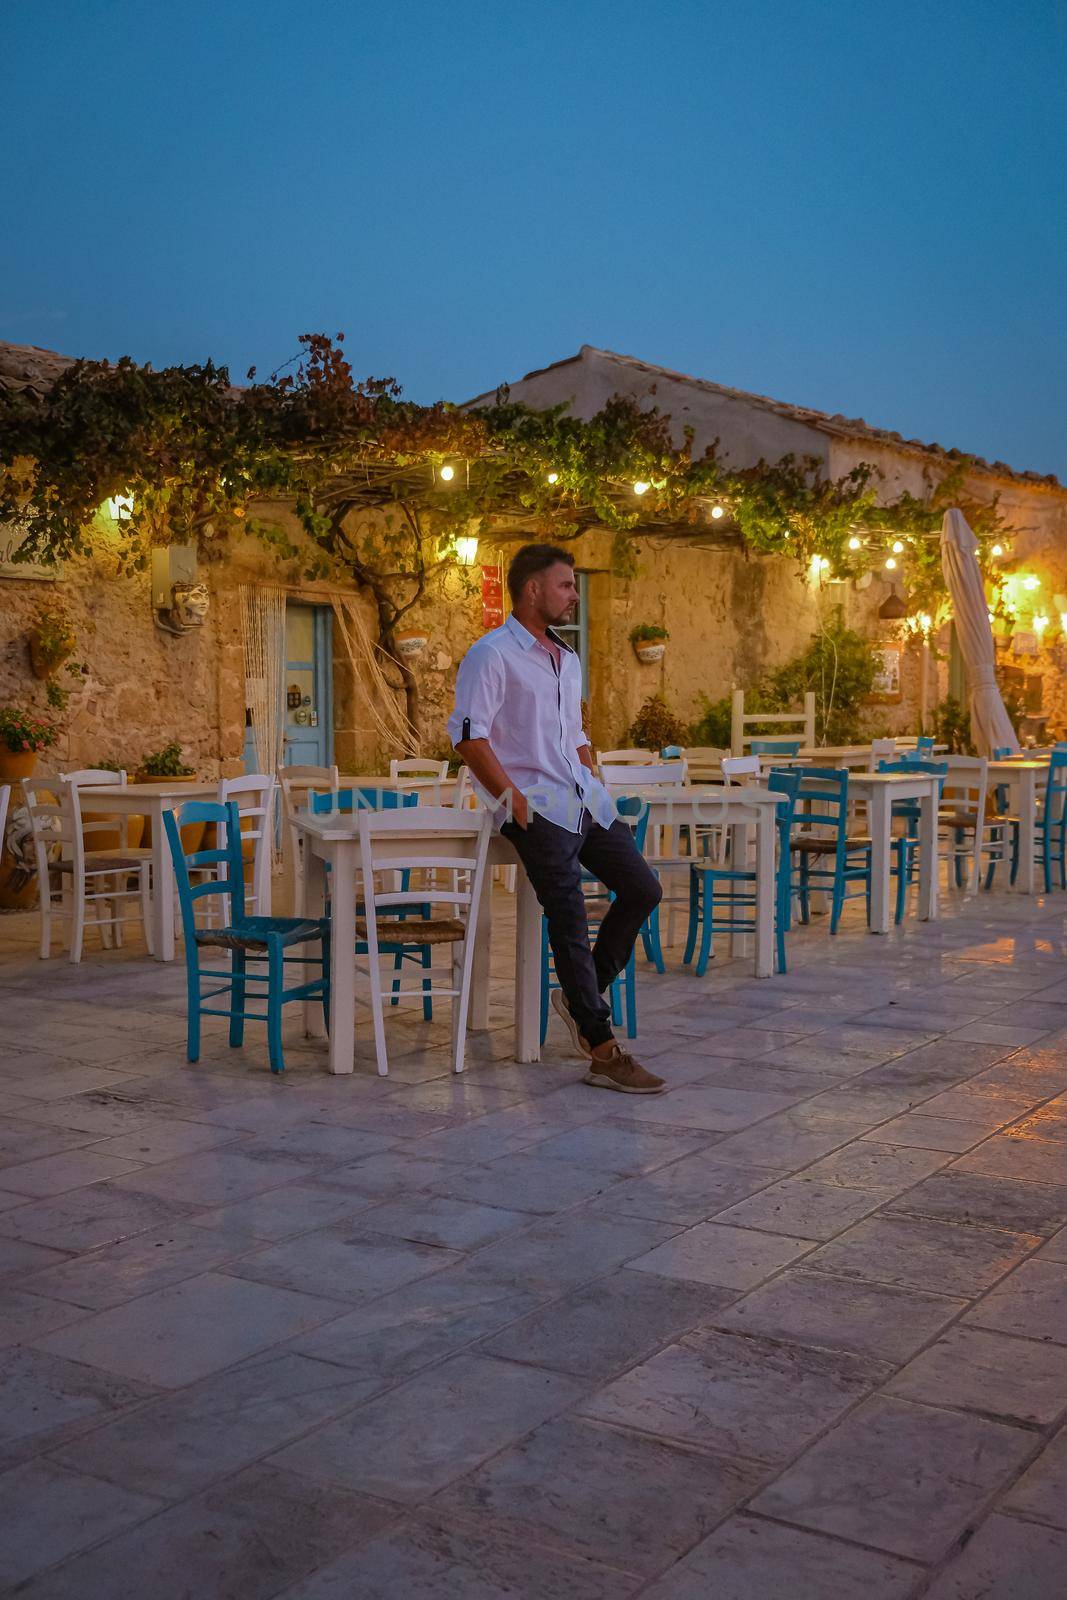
column 510, row 690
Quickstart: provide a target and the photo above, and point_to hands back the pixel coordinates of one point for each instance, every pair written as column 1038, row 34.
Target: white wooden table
column 1021, row 778
column 335, row 839
column 441, row 789
column 879, row 790
column 745, row 809
column 153, row 800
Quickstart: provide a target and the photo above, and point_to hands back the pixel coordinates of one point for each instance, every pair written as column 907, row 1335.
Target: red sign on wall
column 492, row 597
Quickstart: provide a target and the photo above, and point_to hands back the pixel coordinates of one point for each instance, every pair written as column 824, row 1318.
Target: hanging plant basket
column 411, row 642
column 649, row 651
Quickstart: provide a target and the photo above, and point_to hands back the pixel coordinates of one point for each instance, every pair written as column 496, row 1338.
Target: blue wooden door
column 307, row 689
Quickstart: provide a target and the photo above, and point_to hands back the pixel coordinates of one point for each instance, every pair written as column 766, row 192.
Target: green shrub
column 655, row 725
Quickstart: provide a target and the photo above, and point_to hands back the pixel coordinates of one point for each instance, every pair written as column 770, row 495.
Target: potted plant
column 655, row 726
column 52, row 640
column 411, row 641
column 22, row 736
column 166, row 766
column 649, row 642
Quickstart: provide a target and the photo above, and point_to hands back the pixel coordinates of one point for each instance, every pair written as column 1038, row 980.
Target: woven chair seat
column 414, row 930
column 110, row 861
column 813, row 845
column 252, row 934
column 957, row 819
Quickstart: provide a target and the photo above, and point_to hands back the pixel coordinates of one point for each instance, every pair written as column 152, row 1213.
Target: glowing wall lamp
column 120, row 507
column 446, row 473
column 466, row 551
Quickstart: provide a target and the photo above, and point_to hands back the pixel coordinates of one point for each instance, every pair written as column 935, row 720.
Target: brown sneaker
column 620, row 1071
column 563, row 1011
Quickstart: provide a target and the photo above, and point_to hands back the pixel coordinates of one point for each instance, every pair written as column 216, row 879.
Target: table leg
column 928, row 883
column 481, row 961
column 765, row 897
column 879, row 811
column 527, row 971
column 162, row 886
column 314, row 1023
column 740, row 838
column 1026, row 788
column 342, row 957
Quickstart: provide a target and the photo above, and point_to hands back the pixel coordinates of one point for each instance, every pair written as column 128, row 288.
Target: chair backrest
column 774, row 747
column 631, row 757
column 672, row 752
column 906, row 764
column 426, row 838
column 881, row 750
column 295, row 784
column 94, row 822
column 1055, row 787
column 734, row 767
column 633, row 810
column 51, row 823
column 823, row 794
column 740, row 719
column 787, row 783
column 463, row 796
column 965, row 786
column 254, row 795
column 224, row 855
column 417, row 767
column 662, row 772
column 345, row 801
column 925, row 743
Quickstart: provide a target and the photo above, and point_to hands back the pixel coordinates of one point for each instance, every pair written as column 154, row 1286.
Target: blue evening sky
column 847, row 204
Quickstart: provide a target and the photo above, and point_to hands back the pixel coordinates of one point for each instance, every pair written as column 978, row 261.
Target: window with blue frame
column 576, row 632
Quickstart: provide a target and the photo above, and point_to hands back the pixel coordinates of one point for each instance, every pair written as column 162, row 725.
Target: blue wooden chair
column 821, row 835
column 909, row 812
column 1051, row 841
column 370, row 798
column 924, row 745
column 774, row 747
column 623, row 992
column 248, row 939
column 705, row 894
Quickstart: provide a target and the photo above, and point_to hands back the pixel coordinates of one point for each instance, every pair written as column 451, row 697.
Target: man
column 518, row 726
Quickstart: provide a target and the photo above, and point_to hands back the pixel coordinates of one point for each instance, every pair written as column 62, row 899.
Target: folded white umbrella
column 990, row 728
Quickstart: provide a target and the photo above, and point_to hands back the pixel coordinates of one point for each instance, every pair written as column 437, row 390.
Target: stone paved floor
column 796, row 1329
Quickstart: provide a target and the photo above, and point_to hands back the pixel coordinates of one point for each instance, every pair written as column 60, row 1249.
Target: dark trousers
column 553, row 859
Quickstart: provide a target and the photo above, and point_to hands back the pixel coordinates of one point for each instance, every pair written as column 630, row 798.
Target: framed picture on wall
column 885, row 690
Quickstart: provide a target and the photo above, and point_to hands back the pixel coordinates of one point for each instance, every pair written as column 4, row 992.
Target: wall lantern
column 446, row 473
column 641, row 487
column 466, row 551
column 120, row 507
column 552, row 477
column 892, row 608
column 717, row 512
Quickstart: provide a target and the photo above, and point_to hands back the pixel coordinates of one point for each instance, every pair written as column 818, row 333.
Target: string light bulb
column 446, row 473
column 1031, row 583
column 717, row 512
column 891, row 565
column 997, row 550
column 898, row 547
column 553, row 477
column 641, row 487
column 1040, row 623
column 854, row 543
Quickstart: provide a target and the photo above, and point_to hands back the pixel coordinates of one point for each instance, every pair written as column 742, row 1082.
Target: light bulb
column 717, row 512
column 641, row 487
column 890, row 565
column 1040, row 624
column 1031, row 583
column 446, row 473
column 553, row 477
column 898, row 547
column 997, row 550
column 854, row 543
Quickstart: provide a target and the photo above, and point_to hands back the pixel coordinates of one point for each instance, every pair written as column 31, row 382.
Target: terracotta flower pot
column 649, row 651
column 411, row 642
column 16, row 764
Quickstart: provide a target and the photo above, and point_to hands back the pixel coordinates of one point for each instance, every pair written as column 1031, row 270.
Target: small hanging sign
column 492, row 597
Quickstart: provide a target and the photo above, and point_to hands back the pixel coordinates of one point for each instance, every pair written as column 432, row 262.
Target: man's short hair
column 530, row 560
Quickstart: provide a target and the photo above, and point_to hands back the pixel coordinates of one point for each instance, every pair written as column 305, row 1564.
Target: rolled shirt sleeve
column 479, row 695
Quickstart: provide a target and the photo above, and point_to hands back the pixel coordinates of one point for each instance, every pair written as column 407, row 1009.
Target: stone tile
column 978, row 1201
column 48, row 1513
column 700, row 1105
column 211, row 1178
column 978, row 1102
column 560, row 1253
column 281, row 1214
column 59, row 1174
column 621, row 1151
column 136, row 1266
column 1056, row 1249
column 65, row 1078
column 180, row 1334
column 919, row 1253
column 176, row 1445
column 686, row 1192
column 1048, row 1122
column 98, row 1113
column 750, row 1559
column 735, row 1395
column 552, row 1487
column 345, row 1264
column 608, row 1325
column 46, row 1400
column 18, row 1258
column 1003, row 1031
column 25, row 1316
column 427, row 1558
column 1017, row 1380
column 436, row 1219
column 803, row 1208
column 781, row 1145
column 251, row 1536
column 85, row 1219
column 164, row 1138
column 731, row 1257
column 1032, row 1302
column 1041, row 1492
column 870, row 1319
column 1009, row 1156
column 477, row 1406
column 394, row 1172
column 316, row 1145
column 929, row 1133
column 425, row 1320
column 904, row 1478
column 1006, row 1560
column 21, row 1142
column 889, row 1169
column 526, row 1182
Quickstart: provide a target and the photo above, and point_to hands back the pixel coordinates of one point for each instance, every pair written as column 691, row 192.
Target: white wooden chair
column 965, row 831
column 463, row 795
column 627, row 775
column 741, row 768
column 5, row 801
column 629, row 758
column 94, row 884
column 417, row 768
column 453, row 847
column 799, row 724
column 294, row 786
column 881, row 750
column 254, row 795
column 668, row 864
